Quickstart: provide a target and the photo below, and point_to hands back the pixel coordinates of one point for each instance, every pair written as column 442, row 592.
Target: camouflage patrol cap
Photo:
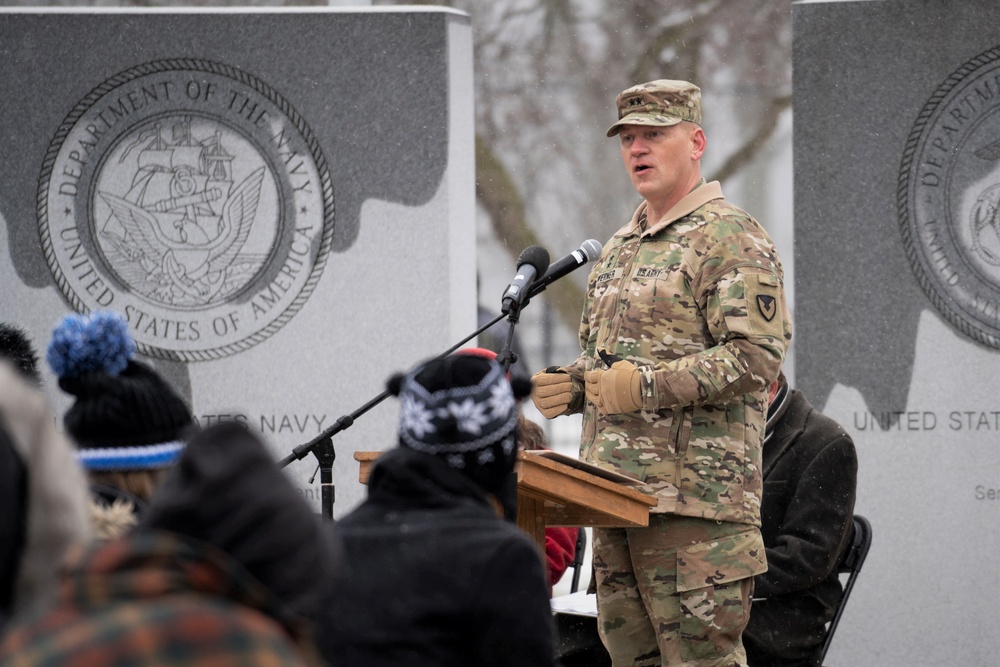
column 662, row 102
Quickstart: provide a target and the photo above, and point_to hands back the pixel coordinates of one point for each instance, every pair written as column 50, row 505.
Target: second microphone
column 531, row 263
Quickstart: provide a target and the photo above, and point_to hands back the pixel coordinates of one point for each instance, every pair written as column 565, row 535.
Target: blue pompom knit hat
column 125, row 417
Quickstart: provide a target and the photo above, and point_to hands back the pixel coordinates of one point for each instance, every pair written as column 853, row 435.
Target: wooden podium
column 557, row 490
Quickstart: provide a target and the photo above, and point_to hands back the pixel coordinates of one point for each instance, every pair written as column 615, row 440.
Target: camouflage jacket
column 696, row 301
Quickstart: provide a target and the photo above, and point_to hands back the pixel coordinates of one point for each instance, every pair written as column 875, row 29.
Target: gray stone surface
column 281, row 202
column 897, row 115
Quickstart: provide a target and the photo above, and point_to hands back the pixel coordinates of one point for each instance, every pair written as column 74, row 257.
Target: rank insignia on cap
column 767, row 306
column 635, row 101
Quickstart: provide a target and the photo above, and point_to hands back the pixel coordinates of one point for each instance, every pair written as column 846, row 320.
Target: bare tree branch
column 748, row 151
column 650, row 57
column 497, row 193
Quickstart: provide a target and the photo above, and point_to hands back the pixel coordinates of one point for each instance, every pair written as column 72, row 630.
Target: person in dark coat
column 810, row 476
column 225, row 569
column 560, row 542
column 434, row 576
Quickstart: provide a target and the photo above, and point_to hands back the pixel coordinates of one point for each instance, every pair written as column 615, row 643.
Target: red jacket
column 560, row 548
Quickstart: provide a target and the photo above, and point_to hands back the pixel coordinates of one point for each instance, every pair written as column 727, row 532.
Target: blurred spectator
column 128, row 423
column 42, row 489
column 433, row 575
column 560, row 543
column 224, row 570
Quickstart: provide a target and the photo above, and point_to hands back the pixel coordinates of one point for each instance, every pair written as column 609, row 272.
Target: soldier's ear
column 698, row 143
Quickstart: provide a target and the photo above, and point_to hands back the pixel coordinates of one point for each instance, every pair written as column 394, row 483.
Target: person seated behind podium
column 225, row 569
column 433, row 575
column 810, row 476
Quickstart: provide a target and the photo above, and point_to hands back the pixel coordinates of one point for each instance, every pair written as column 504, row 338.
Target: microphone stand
column 507, row 358
column 322, row 445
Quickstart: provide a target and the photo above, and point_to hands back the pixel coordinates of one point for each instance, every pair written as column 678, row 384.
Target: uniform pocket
column 713, row 467
column 736, row 450
column 682, row 437
column 715, row 584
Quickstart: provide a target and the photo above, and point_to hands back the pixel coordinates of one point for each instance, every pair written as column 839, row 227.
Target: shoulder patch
column 768, row 306
column 764, row 309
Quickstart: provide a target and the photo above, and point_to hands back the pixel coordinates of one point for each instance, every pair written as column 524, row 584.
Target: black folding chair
column 850, row 562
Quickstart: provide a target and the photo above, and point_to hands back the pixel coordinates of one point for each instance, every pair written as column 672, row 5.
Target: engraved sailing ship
column 176, row 235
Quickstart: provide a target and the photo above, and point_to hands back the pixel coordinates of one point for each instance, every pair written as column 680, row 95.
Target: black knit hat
column 126, row 417
column 16, row 347
column 463, row 410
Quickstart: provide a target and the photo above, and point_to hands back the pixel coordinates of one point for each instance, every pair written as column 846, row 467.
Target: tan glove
column 552, row 391
column 615, row 390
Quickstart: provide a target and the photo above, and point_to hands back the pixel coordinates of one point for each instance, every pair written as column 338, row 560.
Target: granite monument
column 281, row 203
column 897, row 313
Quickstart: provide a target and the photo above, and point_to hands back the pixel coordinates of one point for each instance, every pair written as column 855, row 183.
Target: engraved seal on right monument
column 949, row 198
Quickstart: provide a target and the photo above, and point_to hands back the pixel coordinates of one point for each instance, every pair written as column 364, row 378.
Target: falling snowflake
column 416, row 418
column 470, row 415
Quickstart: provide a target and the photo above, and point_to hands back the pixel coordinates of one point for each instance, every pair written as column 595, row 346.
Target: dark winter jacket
column 226, row 490
column 810, row 474
column 434, row 577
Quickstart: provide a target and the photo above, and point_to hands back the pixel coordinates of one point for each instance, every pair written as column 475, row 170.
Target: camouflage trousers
column 677, row 592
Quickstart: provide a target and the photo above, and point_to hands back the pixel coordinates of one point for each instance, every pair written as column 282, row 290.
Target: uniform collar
column 692, row 201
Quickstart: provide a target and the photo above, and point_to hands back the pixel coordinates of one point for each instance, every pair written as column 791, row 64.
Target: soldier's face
column 662, row 161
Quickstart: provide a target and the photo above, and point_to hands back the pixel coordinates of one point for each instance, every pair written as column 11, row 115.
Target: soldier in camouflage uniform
column 684, row 327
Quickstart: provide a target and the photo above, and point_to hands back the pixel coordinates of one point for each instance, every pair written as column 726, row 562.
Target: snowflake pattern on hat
column 501, row 399
column 415, row 417
column 455, row 421
column 471, row 416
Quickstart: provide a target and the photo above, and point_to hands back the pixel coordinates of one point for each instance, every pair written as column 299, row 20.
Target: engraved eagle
column 188, row 257
column 984, row 221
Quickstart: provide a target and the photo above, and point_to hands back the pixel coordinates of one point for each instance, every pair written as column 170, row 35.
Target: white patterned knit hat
column 461, row 409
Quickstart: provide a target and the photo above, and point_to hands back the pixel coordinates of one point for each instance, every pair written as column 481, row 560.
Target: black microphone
column 530, row 264
column 587, row 252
